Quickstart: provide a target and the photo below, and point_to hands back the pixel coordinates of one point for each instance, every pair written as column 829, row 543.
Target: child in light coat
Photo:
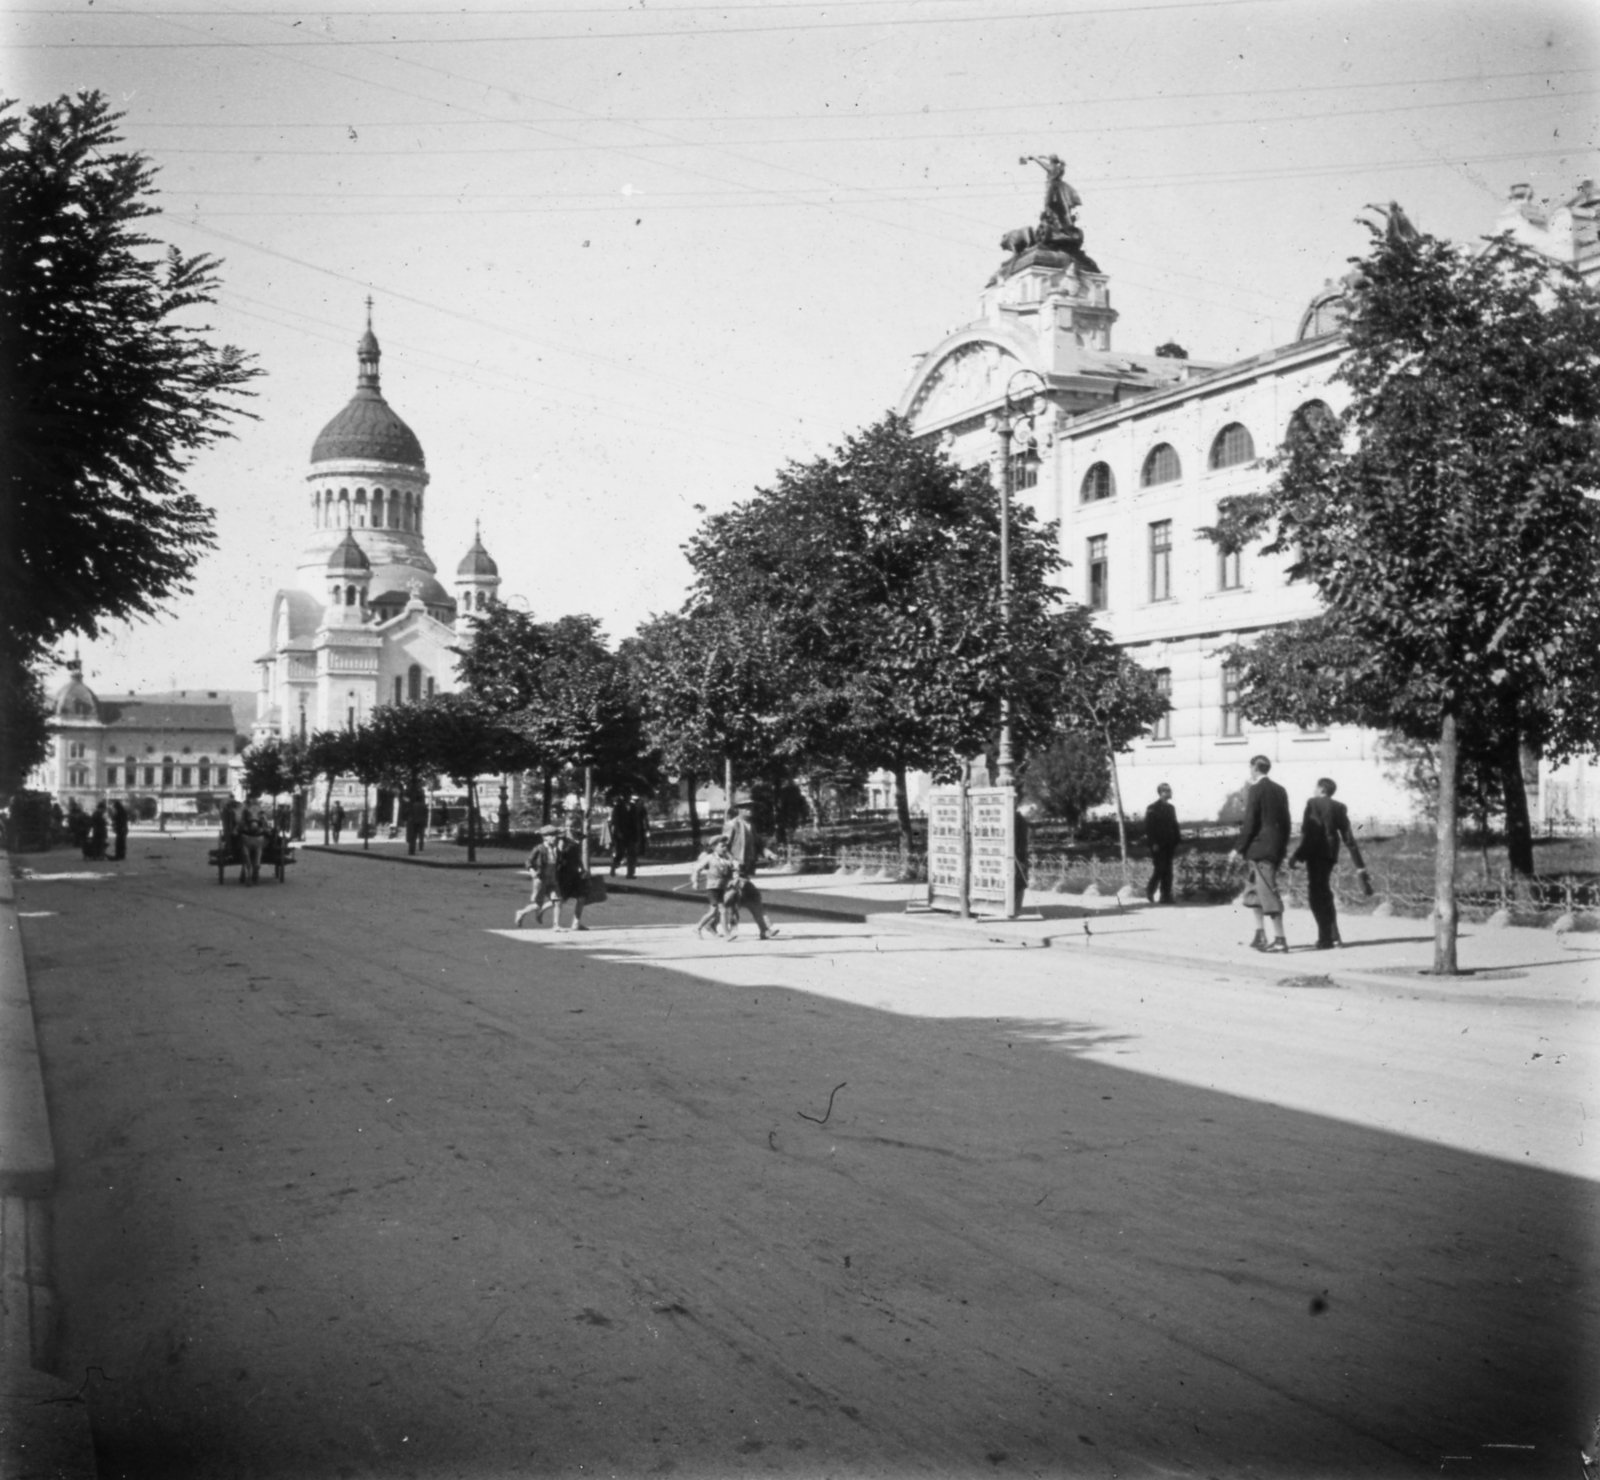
column 713, row 872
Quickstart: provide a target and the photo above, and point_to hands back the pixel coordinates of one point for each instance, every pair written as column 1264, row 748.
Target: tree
column 1443, row 517
column 399, row 750
column 1099, row 694
column 1068, row 776
column 561, row 686
column 467, row 741
column 267, row 769
column 329, row 754
column 108, row 388
column 24, row 718
column 868, row 581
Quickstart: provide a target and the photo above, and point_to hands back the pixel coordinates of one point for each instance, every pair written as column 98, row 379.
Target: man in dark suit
column 1263, row 842
column 1325, row 823
column 1161, row 833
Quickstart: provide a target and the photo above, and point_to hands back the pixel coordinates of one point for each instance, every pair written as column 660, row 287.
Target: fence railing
column 1220, row 878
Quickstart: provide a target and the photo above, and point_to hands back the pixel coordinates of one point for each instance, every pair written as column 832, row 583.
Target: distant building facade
column 1132, row 455
column 158, row 754
column 366, row 620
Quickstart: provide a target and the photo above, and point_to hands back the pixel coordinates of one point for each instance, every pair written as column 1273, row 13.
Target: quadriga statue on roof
column 1058, row 229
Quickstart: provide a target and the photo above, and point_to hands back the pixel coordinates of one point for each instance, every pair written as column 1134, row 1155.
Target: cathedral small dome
column 477, row 561
column 348, row 555
column 368, row 428
column 76, row 699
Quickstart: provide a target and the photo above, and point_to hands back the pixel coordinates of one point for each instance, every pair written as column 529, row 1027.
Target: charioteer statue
column 1058, row 229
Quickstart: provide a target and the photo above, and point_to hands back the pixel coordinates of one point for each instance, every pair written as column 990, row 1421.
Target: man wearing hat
column 1161, row 833
column 542, row 865
column 744, row 847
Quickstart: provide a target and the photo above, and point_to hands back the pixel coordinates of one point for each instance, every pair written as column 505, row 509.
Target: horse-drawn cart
column 277, row 853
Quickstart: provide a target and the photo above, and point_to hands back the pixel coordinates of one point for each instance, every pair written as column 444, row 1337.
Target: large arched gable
column 966, row 374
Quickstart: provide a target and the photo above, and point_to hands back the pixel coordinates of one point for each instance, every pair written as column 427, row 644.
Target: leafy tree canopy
column 109, row 387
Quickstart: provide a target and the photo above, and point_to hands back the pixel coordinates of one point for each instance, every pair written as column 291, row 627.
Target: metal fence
column 1198, row 878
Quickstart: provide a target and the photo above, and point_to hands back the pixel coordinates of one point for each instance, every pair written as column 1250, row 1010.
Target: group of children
column 717, row 876
column 556, row 864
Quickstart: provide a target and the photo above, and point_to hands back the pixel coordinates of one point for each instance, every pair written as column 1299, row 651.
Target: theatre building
column 1132, row 453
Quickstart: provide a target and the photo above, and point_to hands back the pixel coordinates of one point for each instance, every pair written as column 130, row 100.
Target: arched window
column 414, row 682
column 361, row 508
column 1312, row 416
column 1232, row 446
column 377, row 508
column 1098, row 483
column 349, row 595
column 483, row 601
column 1161, row 466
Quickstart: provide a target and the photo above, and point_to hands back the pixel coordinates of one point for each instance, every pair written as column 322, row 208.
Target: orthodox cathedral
column 367, row 620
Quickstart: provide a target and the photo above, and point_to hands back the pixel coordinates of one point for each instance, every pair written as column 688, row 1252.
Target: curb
column 44, row 1424
column 409, row 859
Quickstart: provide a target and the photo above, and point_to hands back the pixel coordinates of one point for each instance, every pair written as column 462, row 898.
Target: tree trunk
column 1444, row 909
column 549, row 795
column 692, row 782
column 472, row 822
column 366, row 825
column 902, row 808
column 1116, row 792
column 1519, row 826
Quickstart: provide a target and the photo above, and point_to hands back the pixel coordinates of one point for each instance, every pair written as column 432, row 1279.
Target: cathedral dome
column 368, row 428
column 76, row 699
column 477, row 561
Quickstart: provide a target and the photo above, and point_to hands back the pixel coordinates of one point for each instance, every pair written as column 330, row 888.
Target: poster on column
column 946, row 846
column 993, row 831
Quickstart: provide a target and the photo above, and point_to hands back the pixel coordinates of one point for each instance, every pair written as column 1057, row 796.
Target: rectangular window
column 205, row 773
column 166, row 775
column 430, row 688
column 149, row 775
column 1099, row 574
column 111, row 775
column 1162, row 729
column 1232, row 719
column 75, row 750
column 1161, row 560
column 1024, row 471
column 1229, row 574
column 187, row 778
column 222, row 775
column 399, row 689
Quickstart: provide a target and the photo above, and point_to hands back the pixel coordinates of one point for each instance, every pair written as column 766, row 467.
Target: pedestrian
column 713, row 873
column 619, row 830
column 119, row 829
column 416, row 809
column 1263, row 842
column 98, row 821
column 744, row 848
column 542, row 865
column 572, row 880
column 337, row 819
column 1162, row 834
column 78, row 826
column 252, row 838
column 1325, row 823
column 1022, row 848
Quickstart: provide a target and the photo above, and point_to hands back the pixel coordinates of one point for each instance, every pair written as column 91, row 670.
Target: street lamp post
column 1005, row 424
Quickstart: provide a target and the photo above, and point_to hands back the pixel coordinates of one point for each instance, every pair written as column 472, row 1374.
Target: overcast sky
column 628, row 259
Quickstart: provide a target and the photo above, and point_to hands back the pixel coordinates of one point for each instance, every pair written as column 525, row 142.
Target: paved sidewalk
column 1514, row 961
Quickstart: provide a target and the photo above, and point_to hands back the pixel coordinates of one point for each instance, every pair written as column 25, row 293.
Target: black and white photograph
column 820, row 739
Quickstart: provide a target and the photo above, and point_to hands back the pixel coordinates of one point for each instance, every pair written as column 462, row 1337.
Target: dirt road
column 353, row 1185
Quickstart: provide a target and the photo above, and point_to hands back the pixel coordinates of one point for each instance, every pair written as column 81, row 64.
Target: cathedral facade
column 366, row 620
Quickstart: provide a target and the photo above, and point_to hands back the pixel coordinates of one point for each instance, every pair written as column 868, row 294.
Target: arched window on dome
column 1161, row 466
column 344, row 508
column 418, row 525
column 349, row 595
column 377, row 508
column 361, row 509
column 1232, row 447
